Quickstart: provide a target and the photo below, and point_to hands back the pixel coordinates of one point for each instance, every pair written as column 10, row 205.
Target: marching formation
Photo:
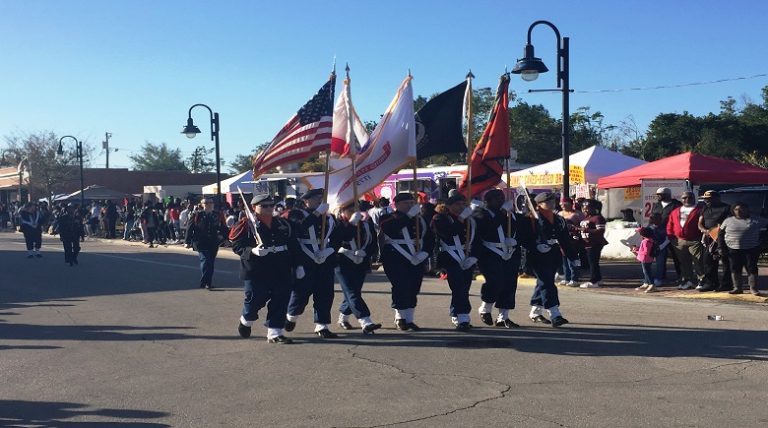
column 285, row 260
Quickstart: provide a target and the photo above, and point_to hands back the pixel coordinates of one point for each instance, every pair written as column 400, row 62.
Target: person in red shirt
column 685, row 237
column 593, row 235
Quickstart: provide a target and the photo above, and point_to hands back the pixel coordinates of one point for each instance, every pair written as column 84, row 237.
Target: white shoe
column 642, row 287
column 687, row 286
column 699, row 287
column 571, row 283
column 590, row 285
column 651, row 288
column 563, row 282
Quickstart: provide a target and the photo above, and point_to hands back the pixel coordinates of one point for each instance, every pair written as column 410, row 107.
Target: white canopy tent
column 230, row 185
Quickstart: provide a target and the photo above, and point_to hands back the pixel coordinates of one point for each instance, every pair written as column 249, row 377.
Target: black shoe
column 706, row 288
column 39, row 256
column 401, row 324
column 30, row 256
column 289, row 325
column 345, row 325
column 244, row 330
column 209, row 286
column 541, row 319
column 370, row 328
column 203, row 285
column 463, row 326
column 754, row 291
column 326, row 334
column 75, row 261
column 486, row 318
column 507, row 324
column 412, row 326
column 280, row 339
column 70, row 264
column 736, row 291
column 558, row 321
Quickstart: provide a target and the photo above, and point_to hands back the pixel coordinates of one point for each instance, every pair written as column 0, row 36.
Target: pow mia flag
column 439, row 124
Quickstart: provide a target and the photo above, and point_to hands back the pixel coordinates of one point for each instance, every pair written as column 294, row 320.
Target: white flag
column 345, row 142
column 390, row 147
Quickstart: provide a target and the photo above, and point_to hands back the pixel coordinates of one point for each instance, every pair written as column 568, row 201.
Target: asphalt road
column 127, row 339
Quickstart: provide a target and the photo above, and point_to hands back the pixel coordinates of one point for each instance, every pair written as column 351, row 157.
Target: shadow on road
column 55, row 414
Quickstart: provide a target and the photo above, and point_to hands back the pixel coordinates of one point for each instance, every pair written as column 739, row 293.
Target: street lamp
column 191, row 131
column 529, row 68
column 79, row 144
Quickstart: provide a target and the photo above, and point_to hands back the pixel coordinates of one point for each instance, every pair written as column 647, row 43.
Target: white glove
column 576, row 263
column 476, row 204
column 508, row 206
column 466, row 213
column 468, row 263
column 510, row 242
column 543, row 248
column 322, row 209
column 345, row 251
column 414, row 211
column 300, row 272
column 418, row 258
column 355, row 219
column 360, row 253
column 322, row 255
column 259, row 251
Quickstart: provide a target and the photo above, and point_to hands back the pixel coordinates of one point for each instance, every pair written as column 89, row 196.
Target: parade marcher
column 498, row 256
column 550, row 237
column 71, row 229
column 315, row 263
column 664, row 206
column 685, row 237
column 404, row 256
column 358, row 244
column 712, row 216
column 592, row 230
column 265, row 244
column 111, row 216
column 449, row 226
column 206, row 232
column 32, row 228
column 741, row 234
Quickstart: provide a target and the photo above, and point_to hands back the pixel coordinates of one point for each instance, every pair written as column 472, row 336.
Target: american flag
column 306, row 133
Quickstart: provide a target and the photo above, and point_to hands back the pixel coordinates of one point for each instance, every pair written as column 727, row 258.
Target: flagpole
column 509, row 192
column 470, row 76
column 327, row 168
column 352, row 141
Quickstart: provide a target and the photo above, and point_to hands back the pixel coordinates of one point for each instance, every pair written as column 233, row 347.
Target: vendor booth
column 94, row 193
column 635, row 188
column 283, row 185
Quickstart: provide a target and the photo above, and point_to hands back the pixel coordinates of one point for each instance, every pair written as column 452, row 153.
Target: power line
column 681, row 85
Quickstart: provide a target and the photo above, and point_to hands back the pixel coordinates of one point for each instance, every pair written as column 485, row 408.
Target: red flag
column 487, row 160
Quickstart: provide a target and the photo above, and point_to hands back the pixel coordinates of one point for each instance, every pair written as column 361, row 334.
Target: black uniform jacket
column 488, row 223
column 348, row 233
column 303, row 221
column 391, row 226
column 545, row 232
column 70, row 227
column 279, row 237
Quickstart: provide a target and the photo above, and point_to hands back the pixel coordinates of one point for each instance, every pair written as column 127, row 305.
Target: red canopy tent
column 698, row 168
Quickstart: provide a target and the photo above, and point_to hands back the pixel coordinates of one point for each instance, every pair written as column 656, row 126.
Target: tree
column 200, row 160
column 241, row 163
column 158, row 157
column 49, row 172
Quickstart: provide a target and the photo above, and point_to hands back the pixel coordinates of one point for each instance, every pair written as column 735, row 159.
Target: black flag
column 439, row 124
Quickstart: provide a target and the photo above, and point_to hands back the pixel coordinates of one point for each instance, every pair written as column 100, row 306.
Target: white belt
column 552, row 241
column 276, row 249
column 403, row 246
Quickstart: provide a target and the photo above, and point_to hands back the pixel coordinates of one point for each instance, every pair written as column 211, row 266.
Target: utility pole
column 105, row 145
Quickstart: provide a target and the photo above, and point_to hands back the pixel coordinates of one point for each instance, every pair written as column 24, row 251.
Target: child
column 645, row 257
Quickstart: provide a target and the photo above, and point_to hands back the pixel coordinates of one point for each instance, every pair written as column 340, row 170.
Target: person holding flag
column 404, row 255
column 315, row 263
column 498, row 250
column 358, row 243
column 449, row 225
column 266, row 245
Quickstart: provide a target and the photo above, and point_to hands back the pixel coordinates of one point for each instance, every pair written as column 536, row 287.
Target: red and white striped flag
column 306, row 133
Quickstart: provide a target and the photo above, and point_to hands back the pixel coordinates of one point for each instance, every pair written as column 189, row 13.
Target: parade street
column 128, row 339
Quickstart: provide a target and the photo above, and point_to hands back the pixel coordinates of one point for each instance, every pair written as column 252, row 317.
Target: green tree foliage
column 241, row 163
column 48, row 171
column 158, row 157
column 201, row 160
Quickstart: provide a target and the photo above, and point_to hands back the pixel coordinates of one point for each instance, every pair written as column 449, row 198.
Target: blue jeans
column 661, row 264
column 207, row 260
column 570, row 271
column 128, row 227
column 647, row 272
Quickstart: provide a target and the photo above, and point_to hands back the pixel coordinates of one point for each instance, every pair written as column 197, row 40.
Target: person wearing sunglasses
column 685, row 237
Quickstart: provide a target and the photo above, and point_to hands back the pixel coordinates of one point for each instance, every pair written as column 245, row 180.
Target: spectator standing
column 663, row 207
column 184, row 220
column 741, row 234
column 206, row 231
column 150, row 222
column 573, row 219
column 685, row 236
column 712, row 216
column 592, row 230
column 111, row 215
column 644, row 254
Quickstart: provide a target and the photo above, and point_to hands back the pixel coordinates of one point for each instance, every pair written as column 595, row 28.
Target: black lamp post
column 529, row 68
column 191, row 131
column 79, row 144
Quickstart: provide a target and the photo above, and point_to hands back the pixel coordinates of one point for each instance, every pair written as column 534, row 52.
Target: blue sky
column 133, row 68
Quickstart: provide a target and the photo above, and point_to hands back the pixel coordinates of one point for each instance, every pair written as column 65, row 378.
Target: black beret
column 312, row 193
column 404, row 196
column 455, row 198
column 544, row 197
column 264, row 197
